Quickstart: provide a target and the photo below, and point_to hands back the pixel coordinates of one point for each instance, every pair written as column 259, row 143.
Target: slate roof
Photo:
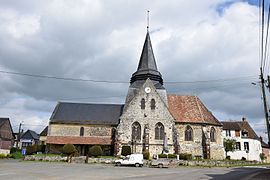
column 190, row 109
column 147, row 67
column 29, row 134
column 240, row 125
column 44, row 132
column 82, row 113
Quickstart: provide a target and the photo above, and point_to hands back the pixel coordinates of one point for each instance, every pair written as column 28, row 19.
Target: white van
column 133, row 159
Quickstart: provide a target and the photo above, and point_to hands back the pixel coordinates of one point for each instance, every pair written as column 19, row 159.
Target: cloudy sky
column 195, row 42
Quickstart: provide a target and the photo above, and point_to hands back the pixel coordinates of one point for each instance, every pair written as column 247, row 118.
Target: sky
column 210, row 47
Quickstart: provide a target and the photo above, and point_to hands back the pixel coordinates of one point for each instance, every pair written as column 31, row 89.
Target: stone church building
column 150, row 120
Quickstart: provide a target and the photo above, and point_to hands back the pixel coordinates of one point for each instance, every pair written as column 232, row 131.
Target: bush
column 31, row 149
column 95, row 151
column 126, row 150
column 162, row 156
column 2, row 156
column 228, row 157
column 69, row 149
column 17, row 155
column 243, row 158
column 172, row 156
column 185, row 156
column 146, row 155
column 41, row 148
column 262, row 156
column 13, row 150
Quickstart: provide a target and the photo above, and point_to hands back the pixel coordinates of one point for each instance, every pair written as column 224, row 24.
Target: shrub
column 172, row 156
column 13, row 150
column 243, row 158
column 262, row 156
column 146, row 155
column 31, row 149
column 228, row 157
column 69, row 149
column 185, row 156
column 17, row 155
column 162, row 156
column 95, row 151
column 126, row 150
column 41, row 148
column 2, row 156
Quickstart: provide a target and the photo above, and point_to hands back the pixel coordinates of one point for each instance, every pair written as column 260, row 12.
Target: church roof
column 82, row 113
column 240, row 125
column 190, row 109
column 147, row 67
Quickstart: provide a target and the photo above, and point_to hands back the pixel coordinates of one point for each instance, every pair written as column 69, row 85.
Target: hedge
column 126, row 150
column 95, row 151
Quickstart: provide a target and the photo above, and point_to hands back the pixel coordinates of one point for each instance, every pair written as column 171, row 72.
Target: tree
column 95, row 151
column 229, row 145
column 69, row 149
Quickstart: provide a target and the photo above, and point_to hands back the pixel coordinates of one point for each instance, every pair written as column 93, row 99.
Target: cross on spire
column 148, row 20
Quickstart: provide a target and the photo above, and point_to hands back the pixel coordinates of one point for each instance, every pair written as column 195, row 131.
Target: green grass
column 17, row 155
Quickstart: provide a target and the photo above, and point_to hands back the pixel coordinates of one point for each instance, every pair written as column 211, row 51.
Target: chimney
column 243, row 119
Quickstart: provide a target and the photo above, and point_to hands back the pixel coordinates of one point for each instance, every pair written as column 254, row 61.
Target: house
column 248, row 144
column 150, row 120
column 43, row 136
column 28, row 138
column 6, row 136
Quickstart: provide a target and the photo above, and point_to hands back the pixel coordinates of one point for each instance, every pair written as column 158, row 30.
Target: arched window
column 188, row 134
column 143, row 103
column 159, row 131
column 81, row 131
column 213, row 135
column 136, row 131
column 153, row 104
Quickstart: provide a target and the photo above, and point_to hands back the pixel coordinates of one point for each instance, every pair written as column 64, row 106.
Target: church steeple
column 147, row 66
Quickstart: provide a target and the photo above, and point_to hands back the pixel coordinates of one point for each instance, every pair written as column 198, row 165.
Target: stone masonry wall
column 146, row 117
column 195, row 147
column 74, row 130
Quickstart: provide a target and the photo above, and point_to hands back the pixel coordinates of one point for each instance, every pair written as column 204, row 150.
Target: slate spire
column 147, row 67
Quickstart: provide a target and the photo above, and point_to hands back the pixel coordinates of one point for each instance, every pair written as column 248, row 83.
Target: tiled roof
column 240, row 125
column 3, row 120
column 190, row 109
column 229, row 125
column 79, row 140
column 82, row 113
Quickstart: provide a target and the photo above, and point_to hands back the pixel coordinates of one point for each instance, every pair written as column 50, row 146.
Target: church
column 150, row 120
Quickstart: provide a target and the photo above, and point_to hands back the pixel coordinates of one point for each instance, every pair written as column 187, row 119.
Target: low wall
column 4, row 151
column 45, row 158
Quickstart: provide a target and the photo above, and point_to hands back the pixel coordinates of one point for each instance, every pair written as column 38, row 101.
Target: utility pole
column 19, row 135
column 265, row 106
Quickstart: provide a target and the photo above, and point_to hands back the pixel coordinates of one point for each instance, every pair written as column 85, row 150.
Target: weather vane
column 148, row 20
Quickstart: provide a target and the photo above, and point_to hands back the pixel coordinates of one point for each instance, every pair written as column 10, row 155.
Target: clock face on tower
column 147, row 90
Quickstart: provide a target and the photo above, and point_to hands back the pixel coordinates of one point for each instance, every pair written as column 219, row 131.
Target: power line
column 119, row 82
column 60, row 78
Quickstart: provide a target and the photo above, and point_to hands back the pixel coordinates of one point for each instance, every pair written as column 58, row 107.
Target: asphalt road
column 11, row 169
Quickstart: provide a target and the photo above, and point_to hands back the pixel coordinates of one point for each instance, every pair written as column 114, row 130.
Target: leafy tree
column 229, row 145
column 69, row 149
column 95, row 151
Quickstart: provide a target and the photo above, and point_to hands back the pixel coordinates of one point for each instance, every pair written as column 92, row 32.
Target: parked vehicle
column 160, row 163
column 131, row 160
